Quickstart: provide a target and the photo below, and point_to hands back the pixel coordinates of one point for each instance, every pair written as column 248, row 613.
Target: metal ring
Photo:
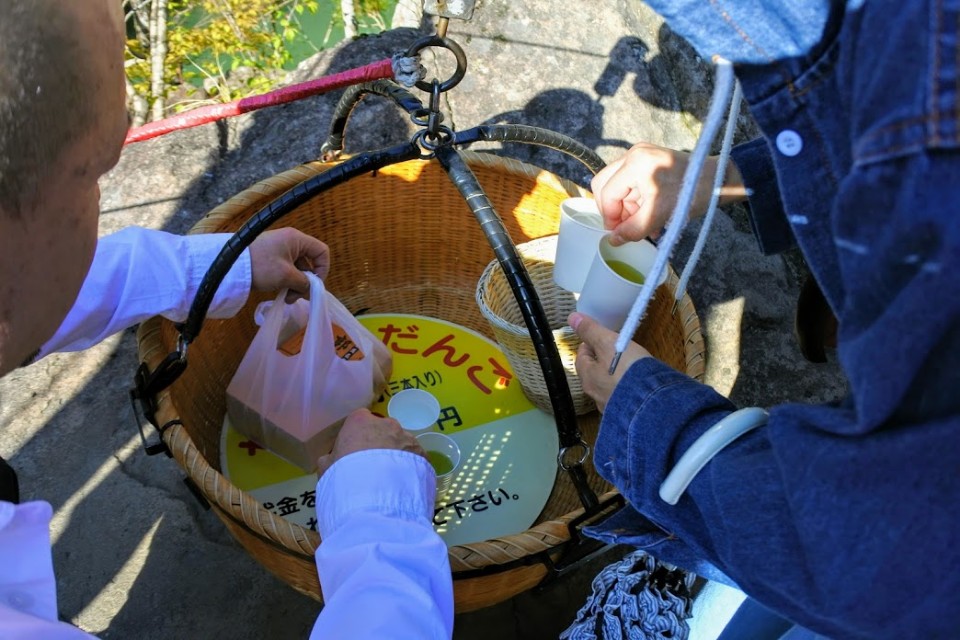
column 420, row 117
column 328, row 153
column 443, row 137
column 426, row 152
column 449, row 45
column 435, row 92
column 564, row 450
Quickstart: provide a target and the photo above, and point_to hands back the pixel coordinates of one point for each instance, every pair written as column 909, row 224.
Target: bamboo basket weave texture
column 402, row 240
column 499, row 306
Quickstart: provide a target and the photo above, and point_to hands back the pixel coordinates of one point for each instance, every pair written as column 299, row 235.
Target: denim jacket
column 844, row 518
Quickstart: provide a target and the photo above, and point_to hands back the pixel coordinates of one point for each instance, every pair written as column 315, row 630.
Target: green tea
column 440, row 463
column 625, row 271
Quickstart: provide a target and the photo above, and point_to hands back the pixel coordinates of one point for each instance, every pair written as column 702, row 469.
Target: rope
column 637, row 598
column 405, row 70
column 715, row 194
column 725, row 81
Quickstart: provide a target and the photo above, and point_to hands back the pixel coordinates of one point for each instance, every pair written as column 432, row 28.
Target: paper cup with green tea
column 581, row 227
column 443, row 453
column 615, row 278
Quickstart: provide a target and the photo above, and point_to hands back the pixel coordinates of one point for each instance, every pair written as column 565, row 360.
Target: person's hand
column 362, row 431
column 278, row 258
column 595, row 355
column 637, row 193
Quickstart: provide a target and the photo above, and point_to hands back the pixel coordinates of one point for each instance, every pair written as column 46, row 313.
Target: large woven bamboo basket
column 402, row 241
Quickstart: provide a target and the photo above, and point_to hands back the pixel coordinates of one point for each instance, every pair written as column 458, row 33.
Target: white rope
column 723, row 87
column 714, row 195
column 407, row 70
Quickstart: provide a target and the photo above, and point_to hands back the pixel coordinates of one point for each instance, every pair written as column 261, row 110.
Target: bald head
column 46, row 100
column 62, row 124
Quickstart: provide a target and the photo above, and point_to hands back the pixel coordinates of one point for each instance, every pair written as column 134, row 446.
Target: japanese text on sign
column 485, row 376
column 477, row 504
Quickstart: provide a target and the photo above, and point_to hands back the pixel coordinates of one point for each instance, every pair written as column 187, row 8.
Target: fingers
column 637, row 193
column 324, row 463
column 595, row 355
column 626, row 207
column 414, row 447
column 612, row 189
column 279, row 256
column 295, row 280
column 306, row 254
column 592, row 371
column 601, row 341
column 364, row 430
column 317, row 253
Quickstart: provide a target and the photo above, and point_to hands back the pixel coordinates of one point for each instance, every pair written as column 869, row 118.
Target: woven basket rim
column 494, row 318
column 293, row 538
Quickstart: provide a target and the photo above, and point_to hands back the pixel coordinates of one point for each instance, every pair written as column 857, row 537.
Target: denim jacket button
column 789, row 142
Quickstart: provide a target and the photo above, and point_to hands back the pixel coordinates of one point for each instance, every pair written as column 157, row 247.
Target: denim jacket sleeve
column 773, row 511
column 841, row 517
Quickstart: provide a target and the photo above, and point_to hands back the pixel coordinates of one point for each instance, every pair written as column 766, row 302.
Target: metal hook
column 450, row 45
column 435, row 117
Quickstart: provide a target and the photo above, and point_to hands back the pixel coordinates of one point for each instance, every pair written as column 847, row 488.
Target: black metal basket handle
column 533, row 314
column 147, row 384
column 276, row 210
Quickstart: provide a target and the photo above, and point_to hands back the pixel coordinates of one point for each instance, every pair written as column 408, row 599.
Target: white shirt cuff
column 233, row 291
column 385, row 481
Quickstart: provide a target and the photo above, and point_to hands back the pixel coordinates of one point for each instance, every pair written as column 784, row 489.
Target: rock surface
column 136, row 555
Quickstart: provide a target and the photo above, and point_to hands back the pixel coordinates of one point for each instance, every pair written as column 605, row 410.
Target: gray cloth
column 637, row 598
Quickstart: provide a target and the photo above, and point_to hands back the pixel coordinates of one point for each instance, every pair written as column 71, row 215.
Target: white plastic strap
column 714, row 195
column 723, row 88
column 706, row 447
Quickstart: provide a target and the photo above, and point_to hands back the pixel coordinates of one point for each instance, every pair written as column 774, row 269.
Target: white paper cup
column 438, row 443
column 581, row 227
column 415, row 409
column 607, row 297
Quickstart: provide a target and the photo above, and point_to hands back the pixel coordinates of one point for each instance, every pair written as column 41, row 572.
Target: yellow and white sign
column 508, row 446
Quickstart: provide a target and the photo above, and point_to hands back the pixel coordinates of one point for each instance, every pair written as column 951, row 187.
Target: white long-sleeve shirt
column 383, row 569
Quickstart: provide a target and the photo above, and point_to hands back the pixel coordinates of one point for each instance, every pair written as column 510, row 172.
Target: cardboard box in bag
column 298, row 439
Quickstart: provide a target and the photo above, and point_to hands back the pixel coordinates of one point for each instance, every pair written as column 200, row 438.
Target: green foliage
column 210, row 40
column 368, row 10
column 223, row 50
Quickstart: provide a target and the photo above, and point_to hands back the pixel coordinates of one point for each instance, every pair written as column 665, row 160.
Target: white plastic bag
column 294, row 403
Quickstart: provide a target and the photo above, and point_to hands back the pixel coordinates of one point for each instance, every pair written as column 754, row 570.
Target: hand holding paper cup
column 581, row 227
column 615, row 278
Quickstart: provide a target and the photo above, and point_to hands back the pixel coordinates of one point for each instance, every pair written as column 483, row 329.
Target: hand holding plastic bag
column 293, row 401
